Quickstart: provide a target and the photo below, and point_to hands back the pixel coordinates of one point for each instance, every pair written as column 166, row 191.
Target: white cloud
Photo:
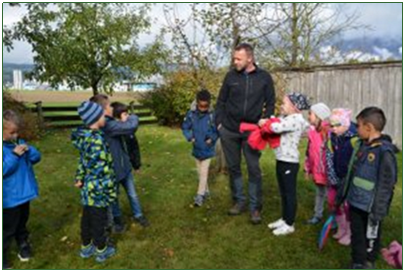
column 383, row 53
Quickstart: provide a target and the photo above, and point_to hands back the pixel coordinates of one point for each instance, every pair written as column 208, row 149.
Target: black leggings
column 93, row 226
column 287, row 180
column 15, row 226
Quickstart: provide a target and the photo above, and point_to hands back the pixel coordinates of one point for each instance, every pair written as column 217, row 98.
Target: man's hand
column 262, row 122
column 79, row 184
column 219, row 127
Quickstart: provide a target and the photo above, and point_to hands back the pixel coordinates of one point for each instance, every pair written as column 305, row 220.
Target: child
column 114, row 130
column 120, row 112
column 95, row 177
column 19, row 187
column 315, row 163
column 340, row 147
column 200, row 129
column 291, row 127
column 369, row 187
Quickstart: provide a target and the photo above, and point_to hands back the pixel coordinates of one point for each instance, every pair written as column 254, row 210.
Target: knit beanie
column 299, row 100
column 321, row 110
column 341, row 116
column 90, row 112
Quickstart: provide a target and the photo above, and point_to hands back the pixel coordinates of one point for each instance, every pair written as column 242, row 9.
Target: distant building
column 17, row 79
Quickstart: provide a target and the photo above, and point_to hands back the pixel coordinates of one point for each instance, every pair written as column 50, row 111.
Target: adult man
column 246, row 90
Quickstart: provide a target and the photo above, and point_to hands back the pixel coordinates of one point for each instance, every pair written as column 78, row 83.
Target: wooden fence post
column 40, row 114
column 132, row 107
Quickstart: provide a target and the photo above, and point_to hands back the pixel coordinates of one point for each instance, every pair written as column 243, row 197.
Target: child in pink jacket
column 315, row 163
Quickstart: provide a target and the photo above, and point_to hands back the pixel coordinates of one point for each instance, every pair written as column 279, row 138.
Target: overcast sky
column 384, row 19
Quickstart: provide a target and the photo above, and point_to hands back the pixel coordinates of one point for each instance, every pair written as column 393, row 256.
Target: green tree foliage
column 87, row 44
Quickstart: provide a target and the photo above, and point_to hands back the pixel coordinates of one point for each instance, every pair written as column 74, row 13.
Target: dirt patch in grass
column 58, row 96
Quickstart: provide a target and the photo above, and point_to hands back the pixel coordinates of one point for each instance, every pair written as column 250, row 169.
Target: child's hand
column 193, row 140
column 20, row 149
column 262, row 122
column 209, row 141
column 79, row 184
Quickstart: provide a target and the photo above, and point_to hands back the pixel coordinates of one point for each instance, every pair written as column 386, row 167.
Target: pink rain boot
column 346, row 239
column 340, row 219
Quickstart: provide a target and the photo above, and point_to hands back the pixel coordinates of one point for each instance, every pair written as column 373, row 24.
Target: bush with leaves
column 29, row 129
column 171, row 101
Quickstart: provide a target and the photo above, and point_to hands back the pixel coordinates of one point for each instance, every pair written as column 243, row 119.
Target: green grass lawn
column 180, row 236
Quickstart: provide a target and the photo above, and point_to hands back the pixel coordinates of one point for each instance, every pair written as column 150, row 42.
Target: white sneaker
column 276, row 224
column 284, row 230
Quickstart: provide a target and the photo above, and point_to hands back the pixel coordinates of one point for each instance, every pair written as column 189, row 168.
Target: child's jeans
column 128, row 184
column 15, row 226
column 203, row 167
column 321, row 192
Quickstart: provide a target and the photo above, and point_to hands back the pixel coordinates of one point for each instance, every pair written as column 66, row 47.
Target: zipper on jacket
column 123, row 142
column 246, row 94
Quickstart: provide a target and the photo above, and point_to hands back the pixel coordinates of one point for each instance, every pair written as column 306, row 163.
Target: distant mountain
column 9, row 67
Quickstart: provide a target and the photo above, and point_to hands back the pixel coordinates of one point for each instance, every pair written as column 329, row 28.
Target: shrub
column 170, row 102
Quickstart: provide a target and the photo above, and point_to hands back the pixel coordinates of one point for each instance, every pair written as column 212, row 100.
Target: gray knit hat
column 321, row 110
column 90, row 112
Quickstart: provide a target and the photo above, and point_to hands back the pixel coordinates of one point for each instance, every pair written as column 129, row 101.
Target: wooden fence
column 67, row 115
column 355, row 87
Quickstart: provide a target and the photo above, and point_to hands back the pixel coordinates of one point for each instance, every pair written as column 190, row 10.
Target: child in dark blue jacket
column 369, row 187
column 199, row 128
column 19, row 187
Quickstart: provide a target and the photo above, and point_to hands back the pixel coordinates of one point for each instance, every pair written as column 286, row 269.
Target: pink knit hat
column 341, row 116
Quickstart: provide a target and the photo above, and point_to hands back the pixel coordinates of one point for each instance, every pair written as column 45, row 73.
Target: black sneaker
column 142, row 220
column 357, row 266
column 237, row 209
column 25, row 252
column 118, row 226
column 256, row 217
column 6, row 265
column 370, row 265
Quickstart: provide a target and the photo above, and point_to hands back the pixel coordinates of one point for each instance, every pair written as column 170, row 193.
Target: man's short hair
column 247, row 47
column 118, row 109
column 374, row 116
column 203, row 95
column 100, row 99
column 11, row 117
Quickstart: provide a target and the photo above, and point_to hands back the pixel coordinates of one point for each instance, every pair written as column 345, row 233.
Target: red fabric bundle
column 259, row 137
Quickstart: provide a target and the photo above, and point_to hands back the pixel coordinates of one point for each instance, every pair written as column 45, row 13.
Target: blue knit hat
column 90, row 112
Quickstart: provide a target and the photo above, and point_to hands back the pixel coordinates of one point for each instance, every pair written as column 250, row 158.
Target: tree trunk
column 221, row 164
column 295, row 36
column 95, row 89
